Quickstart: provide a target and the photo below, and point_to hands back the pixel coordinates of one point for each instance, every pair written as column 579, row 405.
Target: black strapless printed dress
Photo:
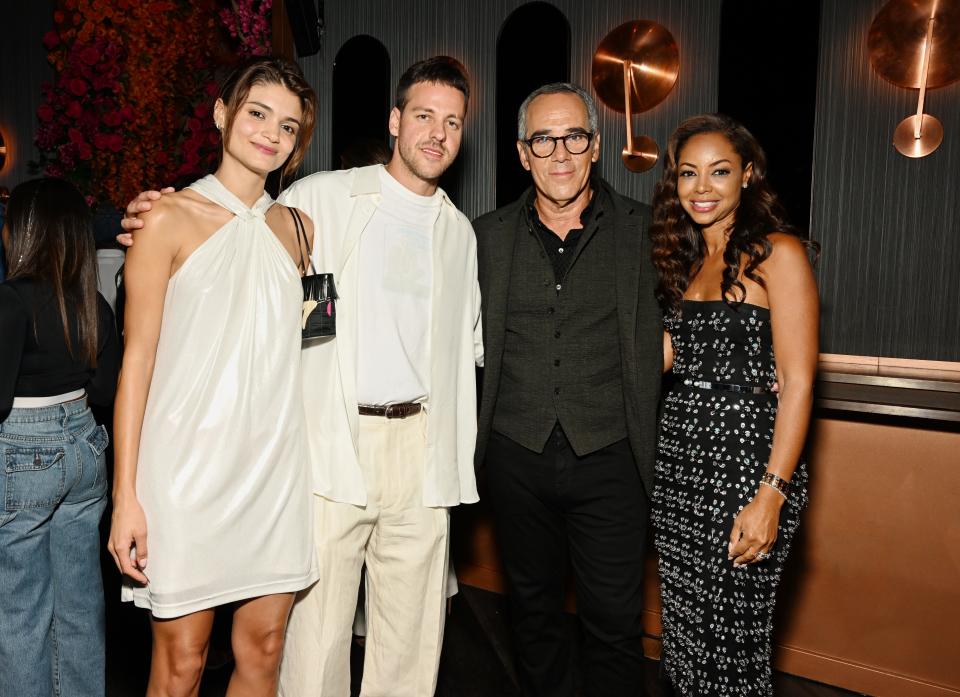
column 713, row 448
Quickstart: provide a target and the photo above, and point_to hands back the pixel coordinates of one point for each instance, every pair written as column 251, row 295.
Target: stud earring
column 744, row 186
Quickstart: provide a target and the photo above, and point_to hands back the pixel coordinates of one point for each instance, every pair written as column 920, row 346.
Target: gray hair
column 557, row 88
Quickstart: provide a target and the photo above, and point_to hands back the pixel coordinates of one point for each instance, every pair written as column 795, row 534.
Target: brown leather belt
column 392, row 411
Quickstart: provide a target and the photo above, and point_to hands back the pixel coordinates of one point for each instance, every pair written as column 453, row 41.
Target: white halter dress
column 222, row 473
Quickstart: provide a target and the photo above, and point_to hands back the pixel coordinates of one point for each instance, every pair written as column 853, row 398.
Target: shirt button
column 556, row 390
column 549, row 310
column 556, row 362
column 559, row 286
column 560, row 250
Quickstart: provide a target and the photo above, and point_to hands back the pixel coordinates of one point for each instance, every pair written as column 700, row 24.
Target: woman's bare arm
column 146, row 275
column 794, row 316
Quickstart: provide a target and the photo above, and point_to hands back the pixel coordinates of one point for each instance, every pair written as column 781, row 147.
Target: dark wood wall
column 468, row 30
column 889, row 225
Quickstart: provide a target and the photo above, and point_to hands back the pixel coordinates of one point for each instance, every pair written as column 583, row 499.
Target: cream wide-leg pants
column 404, row 545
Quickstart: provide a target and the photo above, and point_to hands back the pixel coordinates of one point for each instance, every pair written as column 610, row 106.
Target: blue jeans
column 52, row 494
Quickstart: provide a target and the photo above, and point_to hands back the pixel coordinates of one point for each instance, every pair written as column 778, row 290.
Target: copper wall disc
column 643, row 156
column 931, row 136
column 897, row 37
column 656, row 58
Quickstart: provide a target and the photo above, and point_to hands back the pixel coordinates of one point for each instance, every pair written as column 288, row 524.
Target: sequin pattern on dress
column 713, row 447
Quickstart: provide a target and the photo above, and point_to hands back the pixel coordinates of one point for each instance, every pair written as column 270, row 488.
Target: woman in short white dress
column 211, row 492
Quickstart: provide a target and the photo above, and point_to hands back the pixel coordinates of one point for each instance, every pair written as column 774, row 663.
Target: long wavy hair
column 678, row 245
column 51, row 242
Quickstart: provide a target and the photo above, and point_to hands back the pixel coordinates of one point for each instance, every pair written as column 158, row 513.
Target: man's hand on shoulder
column 141, row 204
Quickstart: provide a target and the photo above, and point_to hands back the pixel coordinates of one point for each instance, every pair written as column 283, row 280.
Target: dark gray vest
column 561, row 354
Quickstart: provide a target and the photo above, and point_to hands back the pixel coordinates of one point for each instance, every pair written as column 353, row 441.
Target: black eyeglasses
column 576, row 143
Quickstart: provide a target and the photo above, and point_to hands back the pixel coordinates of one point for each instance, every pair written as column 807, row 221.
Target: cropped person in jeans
column 59, row 349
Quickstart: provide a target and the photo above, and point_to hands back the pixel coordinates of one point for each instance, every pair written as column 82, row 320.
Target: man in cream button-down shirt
column 408, row 331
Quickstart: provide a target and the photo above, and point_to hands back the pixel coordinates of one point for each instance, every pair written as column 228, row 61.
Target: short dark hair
column 440, row 70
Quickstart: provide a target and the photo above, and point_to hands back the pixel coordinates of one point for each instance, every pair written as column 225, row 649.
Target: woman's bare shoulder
column 185, row 211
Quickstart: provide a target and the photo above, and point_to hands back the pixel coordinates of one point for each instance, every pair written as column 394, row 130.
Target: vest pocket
column 34, row 476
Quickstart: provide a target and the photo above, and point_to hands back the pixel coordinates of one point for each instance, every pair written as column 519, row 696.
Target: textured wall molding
column 414, row 29
column 889, row 225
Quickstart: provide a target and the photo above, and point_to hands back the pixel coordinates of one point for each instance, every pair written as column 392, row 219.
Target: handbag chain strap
column 301, row 237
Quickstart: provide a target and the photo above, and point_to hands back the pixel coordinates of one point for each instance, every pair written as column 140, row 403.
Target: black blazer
column 639, row 317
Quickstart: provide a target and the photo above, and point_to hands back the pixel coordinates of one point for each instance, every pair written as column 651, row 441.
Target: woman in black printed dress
column 741, row 314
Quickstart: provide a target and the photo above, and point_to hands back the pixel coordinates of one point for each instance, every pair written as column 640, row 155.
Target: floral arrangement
column 131, row 103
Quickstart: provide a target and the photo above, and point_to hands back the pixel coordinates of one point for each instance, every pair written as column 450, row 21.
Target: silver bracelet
column 775, row 488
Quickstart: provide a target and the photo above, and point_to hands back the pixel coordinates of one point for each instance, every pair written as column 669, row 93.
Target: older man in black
column 574, row 351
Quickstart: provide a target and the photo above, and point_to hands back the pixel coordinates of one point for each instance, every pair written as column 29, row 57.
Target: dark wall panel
column 23, row 60
column 468, row 30
column 889, row 225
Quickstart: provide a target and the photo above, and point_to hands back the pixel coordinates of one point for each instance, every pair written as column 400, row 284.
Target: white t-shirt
column 393, row 304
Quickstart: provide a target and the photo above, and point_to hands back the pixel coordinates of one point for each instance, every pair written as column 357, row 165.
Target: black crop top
column 34, row 359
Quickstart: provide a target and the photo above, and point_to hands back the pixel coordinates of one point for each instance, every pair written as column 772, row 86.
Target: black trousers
column 552, row 507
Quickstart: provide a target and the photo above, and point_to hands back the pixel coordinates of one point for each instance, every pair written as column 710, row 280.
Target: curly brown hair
column 678, row 246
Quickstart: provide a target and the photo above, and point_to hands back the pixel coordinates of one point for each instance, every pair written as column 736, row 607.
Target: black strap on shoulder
column 301, row 238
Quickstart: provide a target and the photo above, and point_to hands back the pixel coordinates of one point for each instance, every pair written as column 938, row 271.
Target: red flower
column 58, row 16
column 75, row 135
column 161, row 158
column 84, row 151
column 100, row 141
column 201, row 110
column 115, row 142
column 193, row 125
column 45, row 112
column 51, row 40
column 74, row 110
column 112, row 119
column 77, row 87
column 90, row 55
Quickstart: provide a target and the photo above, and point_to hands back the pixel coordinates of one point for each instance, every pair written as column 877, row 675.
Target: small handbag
column 319, row 317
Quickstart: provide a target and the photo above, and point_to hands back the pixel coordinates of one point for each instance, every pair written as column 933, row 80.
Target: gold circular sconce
column 634, row 68
column 916, row 44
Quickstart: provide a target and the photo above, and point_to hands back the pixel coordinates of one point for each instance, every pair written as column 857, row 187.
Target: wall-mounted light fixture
column 3, row 152
column 634, row 68
column 916, row 44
